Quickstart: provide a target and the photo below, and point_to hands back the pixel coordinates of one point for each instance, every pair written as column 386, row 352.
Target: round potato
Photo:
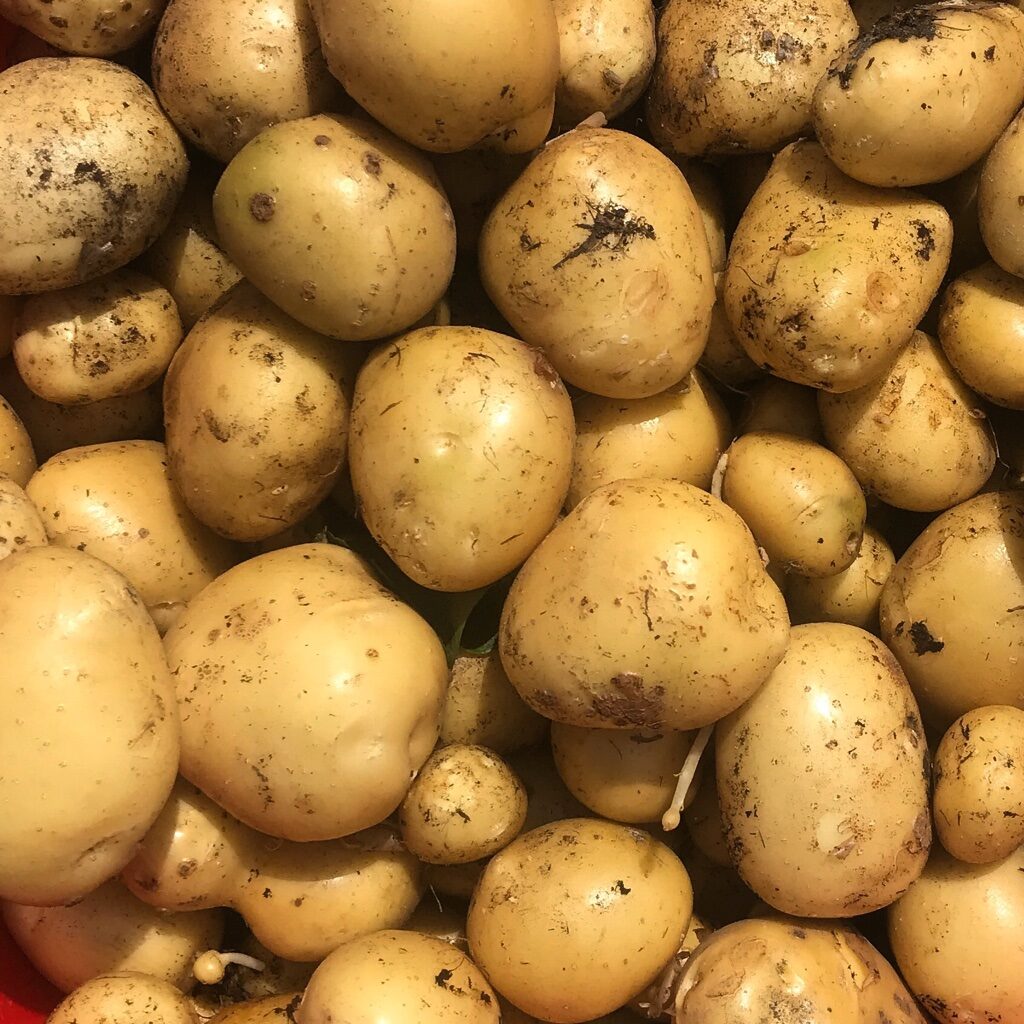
column 21, row 526
column 677, row 435
column 828, row 278
column 917, row 437
column 813, row 523
column 256, row 410
column 733, row 77
column 823, row 778
column 326, row 699
column 127, row 997
column 670, row 622
column 1000, row 215
column 598, row 255
column 574, row 919
column 382, row 250
column 981, row 329
column 461, row 453
column 979, row 785
column 885, row 112
column 782, row 407
column 91, row 170
column 17, row 458
column 93, row 28
column 109, row 337
column 90, row 728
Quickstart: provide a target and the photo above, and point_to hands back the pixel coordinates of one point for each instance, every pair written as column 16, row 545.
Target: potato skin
column 127, row 997
column 92, row 28
column 92, row 661
column 841, row 795
column 21, row 526
column 17, row 458
column 828, row 278
column 91, row 204
column 1000, row 215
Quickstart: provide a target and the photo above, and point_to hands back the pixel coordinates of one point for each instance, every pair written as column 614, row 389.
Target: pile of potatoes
column 514, row 511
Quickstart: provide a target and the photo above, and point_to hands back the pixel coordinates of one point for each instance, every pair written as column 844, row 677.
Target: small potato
column 256, row 410
column 465, row 804
column 574, row 919
column 622, row 775
column 979, row 785
column 461, row 453
column 117, row 502
column 828, row 278
column 1000, row 214
column 547, row 797
column 813, row 523
column 606, row 53
column 851, row 596
column 981, row 329
column 384, row 251
column 598, row 255
column 957, row 938
column 109, row 337
column 111, row 930
column 724, row 358
column 126, row 997
column 17, row 459
column 21, row 525
column 885, row 111
column 706, row 187
column 917, row 437
column 780, row 406
column 677, row 435
column 94, row 28
column 91, row 170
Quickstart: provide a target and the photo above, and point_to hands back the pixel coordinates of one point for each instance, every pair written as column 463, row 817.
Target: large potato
column 21, row 526
column 886, row 112
column 667, row 621
column 91, row 170
column 461, row 452
column 94, row 28
column 1000, row 213
column 735, row 77
column 827, row 278
column 17, row 457
column 256, row 411
column 325, row 699
column 823, row 778
column 446, row 75
column 598, row 255
column 343, row 226
column 89, row 730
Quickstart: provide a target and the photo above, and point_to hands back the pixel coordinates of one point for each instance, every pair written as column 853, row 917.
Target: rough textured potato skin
column 92, row 28
column 17, row 457
column 127, row 997
column 21, row 526
column 92, row 202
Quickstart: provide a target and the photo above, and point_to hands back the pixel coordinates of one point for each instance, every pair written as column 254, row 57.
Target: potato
column 606, row 53
column 461, row 453
column 731, row 77
column 724, row 357
column 957, row 939
column 705, row 185
column 117, row 502
column 256, row 410
column 447, row 923
column 979, row 785
column 89, row 728
column 91, row 170
column 981, row 329
column 827, row 278
column 224, row 72
column 17, row 459
column 447, row 76
column 851, row 596
column 265, row 1010
column 823, row 778
column 780, row 406
column 670, row 622
column 109, row 337
column 126, row 997
column 482, row 707
column 574, row 919
column 814, row 522
column 325, row 701
column 598, row 255
column 547, row 797
column 95, row 28
column 465, row 804
column 703, row 818
column 1000, row 215
column 679, row 434
column 384, row 249
column 886, row 112
column 110, row 930
column 959, row 195
column 21, row 526
column 656, row 1000
column 618, row 774
column 917, row 437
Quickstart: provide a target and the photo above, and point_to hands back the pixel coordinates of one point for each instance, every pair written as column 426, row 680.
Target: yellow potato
column 724, row 357
column 706, row 187
column 1000, row 214
column 126, row 997
column 780, row 406
column 21, row 526
column 703, row 818
column 264, row 1010
column 547, row 797
column 96, row 28
column 17, row 459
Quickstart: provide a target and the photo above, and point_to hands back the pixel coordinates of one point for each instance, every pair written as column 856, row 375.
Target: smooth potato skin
column 17, row 458
column 127, row 997
column 21, row 526
column 1000, row 215
column 92, row 28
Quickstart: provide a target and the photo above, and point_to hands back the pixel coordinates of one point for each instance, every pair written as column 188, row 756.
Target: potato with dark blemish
column 262, row 1010
column 256, row 408
column 573, row 919
column 339, row 223
column 127, row 997
column 731, row 77
column 91, row 170
column 21, row 525
column 823, row 778
column 598, row 255
column 17, row 457
column 917, row 437
column 887, row 112
column 828, row 278
column 646, row 607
